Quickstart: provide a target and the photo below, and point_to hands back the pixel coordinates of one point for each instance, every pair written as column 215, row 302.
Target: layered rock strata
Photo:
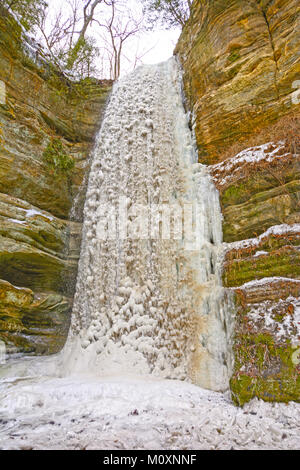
column 40, row 205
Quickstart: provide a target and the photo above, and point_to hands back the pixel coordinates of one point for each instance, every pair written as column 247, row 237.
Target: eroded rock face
column 39, row 244
column 32, row 322
column 240, row 61
column 259, row 191
column 259, row 188
column 267, row 341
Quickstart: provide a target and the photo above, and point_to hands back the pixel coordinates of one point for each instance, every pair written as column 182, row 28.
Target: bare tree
column 57, row 35
column 59, row 31
column 118, row 28
column 64, row 35
column 89, row 10
column 167, row 13
column 136, row 59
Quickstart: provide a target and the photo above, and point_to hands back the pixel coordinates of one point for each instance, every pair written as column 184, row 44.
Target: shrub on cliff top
column 167, row 13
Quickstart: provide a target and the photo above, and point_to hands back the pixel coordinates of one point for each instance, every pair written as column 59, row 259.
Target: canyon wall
column 46, row 122
column 241, row 72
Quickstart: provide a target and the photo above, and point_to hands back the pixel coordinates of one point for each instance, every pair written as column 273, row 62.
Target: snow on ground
column 137, row 413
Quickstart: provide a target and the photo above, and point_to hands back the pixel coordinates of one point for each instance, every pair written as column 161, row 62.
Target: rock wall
column 39, row 233
column 241, row 65
column 241, row 58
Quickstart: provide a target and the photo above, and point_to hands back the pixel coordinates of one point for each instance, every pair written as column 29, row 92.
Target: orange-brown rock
column 241, row 72
column 39, row 245
column 241, row 63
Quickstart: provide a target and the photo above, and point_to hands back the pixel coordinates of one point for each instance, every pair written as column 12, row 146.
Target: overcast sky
column 159, row 44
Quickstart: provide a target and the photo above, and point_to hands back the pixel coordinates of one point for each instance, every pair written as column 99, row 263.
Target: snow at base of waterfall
column 137, row 413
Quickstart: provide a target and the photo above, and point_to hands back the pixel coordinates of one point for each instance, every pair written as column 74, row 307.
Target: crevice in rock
column 273, row 48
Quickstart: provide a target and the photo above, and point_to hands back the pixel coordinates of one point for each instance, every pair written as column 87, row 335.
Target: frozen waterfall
column 149, row 298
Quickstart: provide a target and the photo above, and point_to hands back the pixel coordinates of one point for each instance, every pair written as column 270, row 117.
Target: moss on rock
column 56, row 156
column 47, row 128
column 264, row 369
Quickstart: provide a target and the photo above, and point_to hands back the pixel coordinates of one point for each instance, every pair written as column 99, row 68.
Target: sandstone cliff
column 39, row 237
column 241, row 65
column 241, row 69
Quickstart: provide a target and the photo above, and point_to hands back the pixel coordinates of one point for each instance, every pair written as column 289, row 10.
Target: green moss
column 260, row 181
column 263, row 368
column 264, row 209
column 244, row 388
column 56, row 156
column 234, row 194
column 233, row 71
column 268, row 244
column 284, row 262
column 234, row 56
column 279, row 317
column 10, row 33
